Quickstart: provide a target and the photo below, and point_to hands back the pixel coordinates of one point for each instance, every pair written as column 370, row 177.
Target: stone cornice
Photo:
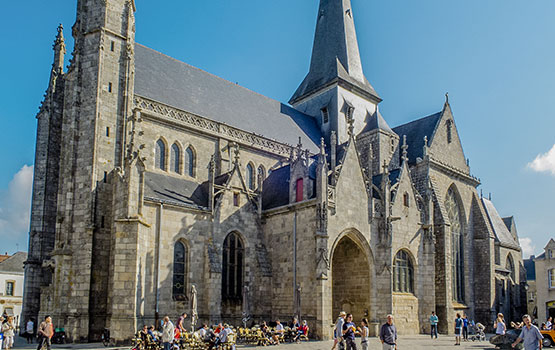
column 451, row 170
column 207, row 126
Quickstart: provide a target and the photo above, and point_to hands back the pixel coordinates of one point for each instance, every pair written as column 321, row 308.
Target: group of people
column 273, row 336
column 345, row 331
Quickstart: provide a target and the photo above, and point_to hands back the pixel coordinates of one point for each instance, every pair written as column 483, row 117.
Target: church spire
column 335, row 54
column 59, row 51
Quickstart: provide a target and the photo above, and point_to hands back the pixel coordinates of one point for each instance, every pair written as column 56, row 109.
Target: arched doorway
column 350, row 280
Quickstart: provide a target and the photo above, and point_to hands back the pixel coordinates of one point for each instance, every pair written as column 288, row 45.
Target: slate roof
column 14, row 264
column 177, row 84
column 176, row 191
column 275, row 190
column 530, row 267
column 335, row 53
column 501, row 232
column 376, row 121
column 415, row 132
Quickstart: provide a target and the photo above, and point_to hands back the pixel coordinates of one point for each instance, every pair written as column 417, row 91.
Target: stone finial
column 351, row 122
column 322, row 146
column 425, row 149
column 405, row 148
column 211, row 165
column 447, row 97
column 236, row 151
column 385, row 167
column 59, row 48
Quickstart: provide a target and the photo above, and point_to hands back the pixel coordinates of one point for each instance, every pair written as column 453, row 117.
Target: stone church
column 153, row 176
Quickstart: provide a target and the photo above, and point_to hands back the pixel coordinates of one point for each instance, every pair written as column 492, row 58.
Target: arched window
column 180, row 253
column 232, row 267
column 510, row 265
column 261, row 173
column 403, row 273
column 160, row 157
column 250, row 176
column 175, row 159
column 406, row 201
column 190, row 161
column 457, row 244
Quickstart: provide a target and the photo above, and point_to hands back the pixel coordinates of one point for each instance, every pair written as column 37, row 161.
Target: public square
column 413, row 342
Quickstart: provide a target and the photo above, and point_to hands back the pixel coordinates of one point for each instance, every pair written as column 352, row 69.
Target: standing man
column 433, row 323
column 338, row 331
column 45, row 333
column 167, row 333
column 349, row 329
column 388, row 334
column 530, row 335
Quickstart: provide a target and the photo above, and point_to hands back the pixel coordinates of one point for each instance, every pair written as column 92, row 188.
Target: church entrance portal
column 351, row 280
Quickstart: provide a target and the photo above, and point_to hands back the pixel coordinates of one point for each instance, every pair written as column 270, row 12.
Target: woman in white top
column 499, row 325
column 364, row 334
column 8, row 330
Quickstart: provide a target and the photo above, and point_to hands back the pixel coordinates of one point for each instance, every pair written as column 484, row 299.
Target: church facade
column 152, row 176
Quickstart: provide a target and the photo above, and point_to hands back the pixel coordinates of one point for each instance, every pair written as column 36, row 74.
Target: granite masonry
column 154, row 178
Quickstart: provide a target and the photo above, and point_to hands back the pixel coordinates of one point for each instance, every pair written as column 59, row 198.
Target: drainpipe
column 295, row 262
column 157, row 272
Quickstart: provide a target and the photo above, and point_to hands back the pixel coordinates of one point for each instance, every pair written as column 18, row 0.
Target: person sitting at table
column 301, row 330
column 266, row 332
column 278, row 332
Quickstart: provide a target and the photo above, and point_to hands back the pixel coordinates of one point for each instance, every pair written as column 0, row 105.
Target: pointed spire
column 376, row 122
column 59, row 50
column 335, row 54
column 425, row 149
column 405, row 147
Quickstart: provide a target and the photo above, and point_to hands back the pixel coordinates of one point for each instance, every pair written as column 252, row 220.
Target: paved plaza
column 414, row 342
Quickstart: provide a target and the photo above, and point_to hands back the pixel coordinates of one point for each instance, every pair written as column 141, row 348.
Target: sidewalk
column 413, row 342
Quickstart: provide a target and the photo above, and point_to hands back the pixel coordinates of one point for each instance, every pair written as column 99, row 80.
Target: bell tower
column 97, row 100
column 335, row 88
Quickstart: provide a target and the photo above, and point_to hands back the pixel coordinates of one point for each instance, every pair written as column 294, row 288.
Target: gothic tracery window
column 160, row 156
column 180, row 253
column 403, row 273
column 510, row 265
column 232, row 267
column 250, row 176
column 175, row 158
column 190, row 161
column 457, row 245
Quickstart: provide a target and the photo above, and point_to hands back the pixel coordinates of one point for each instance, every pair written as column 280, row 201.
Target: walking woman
column 500, row 327
column 458, row 329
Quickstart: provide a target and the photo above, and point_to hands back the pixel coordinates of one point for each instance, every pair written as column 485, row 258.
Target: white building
column 11, row 285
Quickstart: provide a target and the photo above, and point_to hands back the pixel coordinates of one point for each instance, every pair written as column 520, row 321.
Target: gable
column 351, row 185
column 445, row 144
column 404, row 187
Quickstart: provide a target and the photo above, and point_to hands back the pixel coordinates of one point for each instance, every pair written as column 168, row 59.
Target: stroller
column 478, row 331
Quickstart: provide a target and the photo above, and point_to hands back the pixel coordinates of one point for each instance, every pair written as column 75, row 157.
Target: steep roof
column 530, row 267
column 275, row 190
column 415, row 132
column 335, row 54
column 14, row 264
column 177, row 84
column 174, row 190
column 501, row 232
column 376, row 121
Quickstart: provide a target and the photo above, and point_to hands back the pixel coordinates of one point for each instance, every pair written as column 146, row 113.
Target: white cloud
column 15, row 207
column 527, row 247
column 544, row 162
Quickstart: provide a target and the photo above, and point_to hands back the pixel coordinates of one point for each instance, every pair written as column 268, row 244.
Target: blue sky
column 496, row 59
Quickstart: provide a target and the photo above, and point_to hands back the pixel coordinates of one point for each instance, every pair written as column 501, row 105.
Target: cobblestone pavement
column 415, row 342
